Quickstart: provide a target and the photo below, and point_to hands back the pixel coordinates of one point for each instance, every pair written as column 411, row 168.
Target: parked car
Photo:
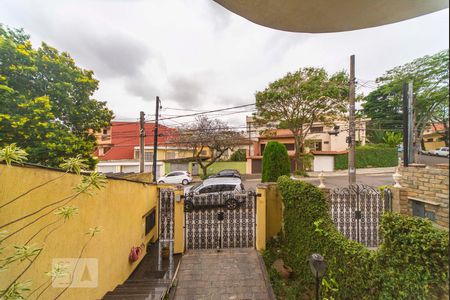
column 182, row 177
column 433, row 152
column 227, row 173
column 216, row 185
column 225, row 186
column 443, row 151
column 424, row 152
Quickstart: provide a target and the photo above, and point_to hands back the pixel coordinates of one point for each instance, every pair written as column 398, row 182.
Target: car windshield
column 196, row 186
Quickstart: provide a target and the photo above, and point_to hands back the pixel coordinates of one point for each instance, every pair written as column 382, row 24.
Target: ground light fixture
column 318, row 267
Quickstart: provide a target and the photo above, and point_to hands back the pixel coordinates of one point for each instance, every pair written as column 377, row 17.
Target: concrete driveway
column 230, row 274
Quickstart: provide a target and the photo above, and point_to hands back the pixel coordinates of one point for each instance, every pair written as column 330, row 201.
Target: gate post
column 261, row 199
column 178, row 221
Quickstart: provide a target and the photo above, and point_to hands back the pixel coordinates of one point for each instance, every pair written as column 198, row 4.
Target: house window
column 290, row 147
column 314, row 145
column 262, row 148
column 170, row 155
column 105, row 131
column 203, row 153
column 430, row 140
column 148, row 156
column 150, row 220
column 317, row 129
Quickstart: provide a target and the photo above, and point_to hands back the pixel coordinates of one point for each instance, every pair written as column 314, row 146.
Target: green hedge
column 369, row 156
column 412, row 263
column 275, row 162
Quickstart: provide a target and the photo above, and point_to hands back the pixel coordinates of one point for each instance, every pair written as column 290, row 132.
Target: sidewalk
column 358, row 171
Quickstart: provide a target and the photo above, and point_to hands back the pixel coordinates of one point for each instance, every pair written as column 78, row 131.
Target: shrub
column 239, row 155
column 275, row 162
column 369, row 156
column 411, row 263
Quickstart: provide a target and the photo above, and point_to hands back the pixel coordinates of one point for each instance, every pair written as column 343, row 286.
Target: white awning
column 319, row 16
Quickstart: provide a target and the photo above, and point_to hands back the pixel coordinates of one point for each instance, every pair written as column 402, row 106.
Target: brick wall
column 425, row 186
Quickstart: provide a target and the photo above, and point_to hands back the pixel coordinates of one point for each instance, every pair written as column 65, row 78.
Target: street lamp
column 318, row 267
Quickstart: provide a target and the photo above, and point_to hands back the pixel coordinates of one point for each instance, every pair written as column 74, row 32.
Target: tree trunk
column 445, row 133
column 299, row 166
column 204, row 170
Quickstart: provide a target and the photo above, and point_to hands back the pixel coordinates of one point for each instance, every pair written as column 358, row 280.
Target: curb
column 262, row 265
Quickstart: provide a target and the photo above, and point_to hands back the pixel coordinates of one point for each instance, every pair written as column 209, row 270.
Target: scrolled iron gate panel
column 356, row 211
column 166, row 214
column 211, row 224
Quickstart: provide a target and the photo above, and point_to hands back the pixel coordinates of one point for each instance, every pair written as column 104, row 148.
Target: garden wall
column 119, row 208
column 369, row 157
column 424, row 193
column 241, row 166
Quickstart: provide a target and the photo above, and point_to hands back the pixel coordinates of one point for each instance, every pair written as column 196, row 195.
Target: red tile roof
column 125, row 136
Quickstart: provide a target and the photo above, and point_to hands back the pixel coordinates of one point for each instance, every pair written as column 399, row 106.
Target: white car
column 216, row 185
column 182, row 177
column 443, row 151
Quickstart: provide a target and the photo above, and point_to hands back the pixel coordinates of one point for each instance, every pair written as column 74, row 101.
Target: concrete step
column 112, row 296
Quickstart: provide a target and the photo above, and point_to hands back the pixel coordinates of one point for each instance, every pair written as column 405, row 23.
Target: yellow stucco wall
column 261, row 219
column 274, row 210
column 118, row 208
column 434, row 145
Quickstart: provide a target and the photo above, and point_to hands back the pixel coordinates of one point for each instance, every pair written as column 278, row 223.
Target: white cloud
column 195, row 54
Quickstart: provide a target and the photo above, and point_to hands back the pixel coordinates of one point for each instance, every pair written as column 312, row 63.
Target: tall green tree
column 300, row 99
column 275, row 162
column 46, row 103
column 430, row 76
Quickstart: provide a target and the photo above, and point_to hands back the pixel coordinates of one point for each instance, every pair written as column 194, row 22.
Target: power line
column 206, row 112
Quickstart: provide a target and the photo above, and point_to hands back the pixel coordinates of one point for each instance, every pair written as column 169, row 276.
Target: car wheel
column 231, row 204
column 160, row 182
column 185, row 182
column 188, row 206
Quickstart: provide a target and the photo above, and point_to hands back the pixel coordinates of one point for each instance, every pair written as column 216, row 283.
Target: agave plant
column 12, row 153
column 74, row 164
column 66, row 212
column 94, row 180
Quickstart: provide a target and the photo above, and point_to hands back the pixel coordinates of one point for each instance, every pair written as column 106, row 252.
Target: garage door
column 256, row 166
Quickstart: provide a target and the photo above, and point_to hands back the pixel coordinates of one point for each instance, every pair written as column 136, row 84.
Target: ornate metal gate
column 166, row 214
column 166, row 228
column 356, row 212
column 221, row 220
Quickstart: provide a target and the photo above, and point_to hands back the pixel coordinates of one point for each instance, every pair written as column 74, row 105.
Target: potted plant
column 165, row 251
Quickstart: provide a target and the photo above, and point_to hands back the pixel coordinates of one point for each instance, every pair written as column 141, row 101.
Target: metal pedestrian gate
column 356, row 211
column 220, row 220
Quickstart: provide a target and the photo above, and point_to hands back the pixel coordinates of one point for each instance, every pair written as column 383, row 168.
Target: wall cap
column 424, row 201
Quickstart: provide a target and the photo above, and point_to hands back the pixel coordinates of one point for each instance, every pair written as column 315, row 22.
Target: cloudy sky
column 196, row 55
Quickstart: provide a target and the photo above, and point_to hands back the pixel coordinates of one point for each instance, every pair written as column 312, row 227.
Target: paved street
column 338, row 181
column 432, row 160
column 230, row 274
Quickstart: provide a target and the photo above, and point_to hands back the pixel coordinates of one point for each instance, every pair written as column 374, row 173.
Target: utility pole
column 352, row 126
column 141, row 142
column 408, row 124
column 155, row 138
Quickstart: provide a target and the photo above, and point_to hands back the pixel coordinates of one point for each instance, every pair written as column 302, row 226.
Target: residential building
column 434, row 136
column 323, row 141
column 118, row 148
